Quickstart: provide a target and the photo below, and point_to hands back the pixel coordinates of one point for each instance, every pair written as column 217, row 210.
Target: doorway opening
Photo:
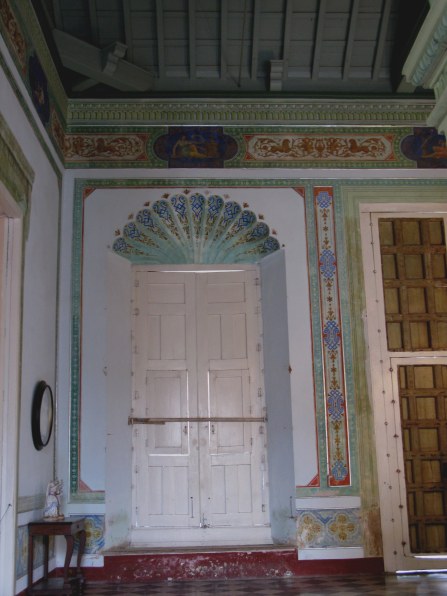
column 407, row 333
column 10, row 291
column 199, row 439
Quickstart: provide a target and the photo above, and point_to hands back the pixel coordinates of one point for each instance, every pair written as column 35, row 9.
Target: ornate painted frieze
column 329, row 528
column 13, row 33
column 426, row 147
column 195, row 147
column 339, row 473
column 195, row 228
column 325, row 147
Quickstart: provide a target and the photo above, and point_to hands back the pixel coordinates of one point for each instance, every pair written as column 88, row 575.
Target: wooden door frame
column 384, row 394
column 229, row 535
column 10, row 338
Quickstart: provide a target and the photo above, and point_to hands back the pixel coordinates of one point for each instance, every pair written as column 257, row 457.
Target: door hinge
column 136, row 312
column 257, row 281
column 258, row 347
column 136, row 283
column 136, row 469
column 259, row 391
column 263, row 508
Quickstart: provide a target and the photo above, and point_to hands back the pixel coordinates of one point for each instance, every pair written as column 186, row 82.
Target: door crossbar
column 132, row 420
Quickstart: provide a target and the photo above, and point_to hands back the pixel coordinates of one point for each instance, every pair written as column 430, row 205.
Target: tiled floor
column 390, row 585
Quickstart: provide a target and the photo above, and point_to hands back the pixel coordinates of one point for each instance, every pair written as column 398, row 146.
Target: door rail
column 131, row 420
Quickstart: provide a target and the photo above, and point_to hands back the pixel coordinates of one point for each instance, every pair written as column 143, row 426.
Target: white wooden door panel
column 196, row 337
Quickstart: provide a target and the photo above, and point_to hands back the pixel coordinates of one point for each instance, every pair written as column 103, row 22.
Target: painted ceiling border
column 247, row 111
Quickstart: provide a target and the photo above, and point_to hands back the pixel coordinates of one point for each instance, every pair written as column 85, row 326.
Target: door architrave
column 384, row 393
column 10, row 338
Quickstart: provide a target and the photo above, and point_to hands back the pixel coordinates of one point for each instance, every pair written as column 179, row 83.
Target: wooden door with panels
column 409, row 375
column 198, row 409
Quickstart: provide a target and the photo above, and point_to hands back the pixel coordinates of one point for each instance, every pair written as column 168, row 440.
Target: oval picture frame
column 42, row 412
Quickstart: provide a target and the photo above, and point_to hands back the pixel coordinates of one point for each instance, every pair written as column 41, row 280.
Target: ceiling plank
column 192, row 39
column 94, row 26
column 255, row 44
column 287, row 35
column 241, row 54
column 160, row 38
column 381, row 39
column 350, row 39
column 223, row 38
column 125, row 6
column 318, row 39
column 57, row 14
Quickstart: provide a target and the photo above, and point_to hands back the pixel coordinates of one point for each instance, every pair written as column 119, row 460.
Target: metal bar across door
column 132, row 420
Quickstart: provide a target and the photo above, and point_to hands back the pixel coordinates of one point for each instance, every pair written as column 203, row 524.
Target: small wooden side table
column 68, row 527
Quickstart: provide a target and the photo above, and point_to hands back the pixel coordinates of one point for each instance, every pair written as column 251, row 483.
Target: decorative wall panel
column 332, row 342
column 329, row 528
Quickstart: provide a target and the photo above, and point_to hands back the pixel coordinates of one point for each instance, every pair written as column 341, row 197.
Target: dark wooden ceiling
column 182, row 48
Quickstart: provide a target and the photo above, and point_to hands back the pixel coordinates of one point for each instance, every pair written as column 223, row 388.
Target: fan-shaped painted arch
column 195, row 229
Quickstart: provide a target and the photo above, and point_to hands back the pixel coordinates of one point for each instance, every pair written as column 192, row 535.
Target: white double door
column 199, row 474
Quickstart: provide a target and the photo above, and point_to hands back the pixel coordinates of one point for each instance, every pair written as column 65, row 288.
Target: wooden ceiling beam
column 255, row 37
column 57, row 14
column 350, row 39
column 287, row 35
column 93, row 18
column 160, row 38
column 381, row 39
column 125, row 7
column 192, row 39
column 223, row 38
column 318, row 39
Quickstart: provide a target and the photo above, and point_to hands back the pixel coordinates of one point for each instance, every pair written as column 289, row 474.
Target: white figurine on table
column 52, row 503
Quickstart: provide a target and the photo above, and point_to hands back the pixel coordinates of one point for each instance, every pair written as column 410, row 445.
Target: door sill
column 200, row 537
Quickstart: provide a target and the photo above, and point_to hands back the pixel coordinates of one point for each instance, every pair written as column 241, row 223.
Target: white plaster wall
column 39, row 292
column 108, row 210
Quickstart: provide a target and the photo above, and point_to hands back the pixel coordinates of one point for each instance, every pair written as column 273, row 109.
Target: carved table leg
column 68, row 555
column 82, row 537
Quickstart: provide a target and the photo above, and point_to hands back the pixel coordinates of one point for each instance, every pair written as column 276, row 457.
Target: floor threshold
column 139, row 550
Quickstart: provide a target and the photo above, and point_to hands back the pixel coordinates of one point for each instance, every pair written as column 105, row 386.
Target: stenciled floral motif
column 309, row 530
column 94, row 530
column 322, row 528
column 342, row 527
column 337, row 428
column 329, row 147
column 13, row 31
column 195, row 229
column 105, row 147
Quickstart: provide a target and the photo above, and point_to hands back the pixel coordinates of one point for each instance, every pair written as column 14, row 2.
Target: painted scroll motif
column 321, row 147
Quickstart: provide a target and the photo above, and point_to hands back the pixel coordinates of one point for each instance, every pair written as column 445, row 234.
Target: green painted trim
column 15, row 171
column 31, row 119
column 246, row 111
